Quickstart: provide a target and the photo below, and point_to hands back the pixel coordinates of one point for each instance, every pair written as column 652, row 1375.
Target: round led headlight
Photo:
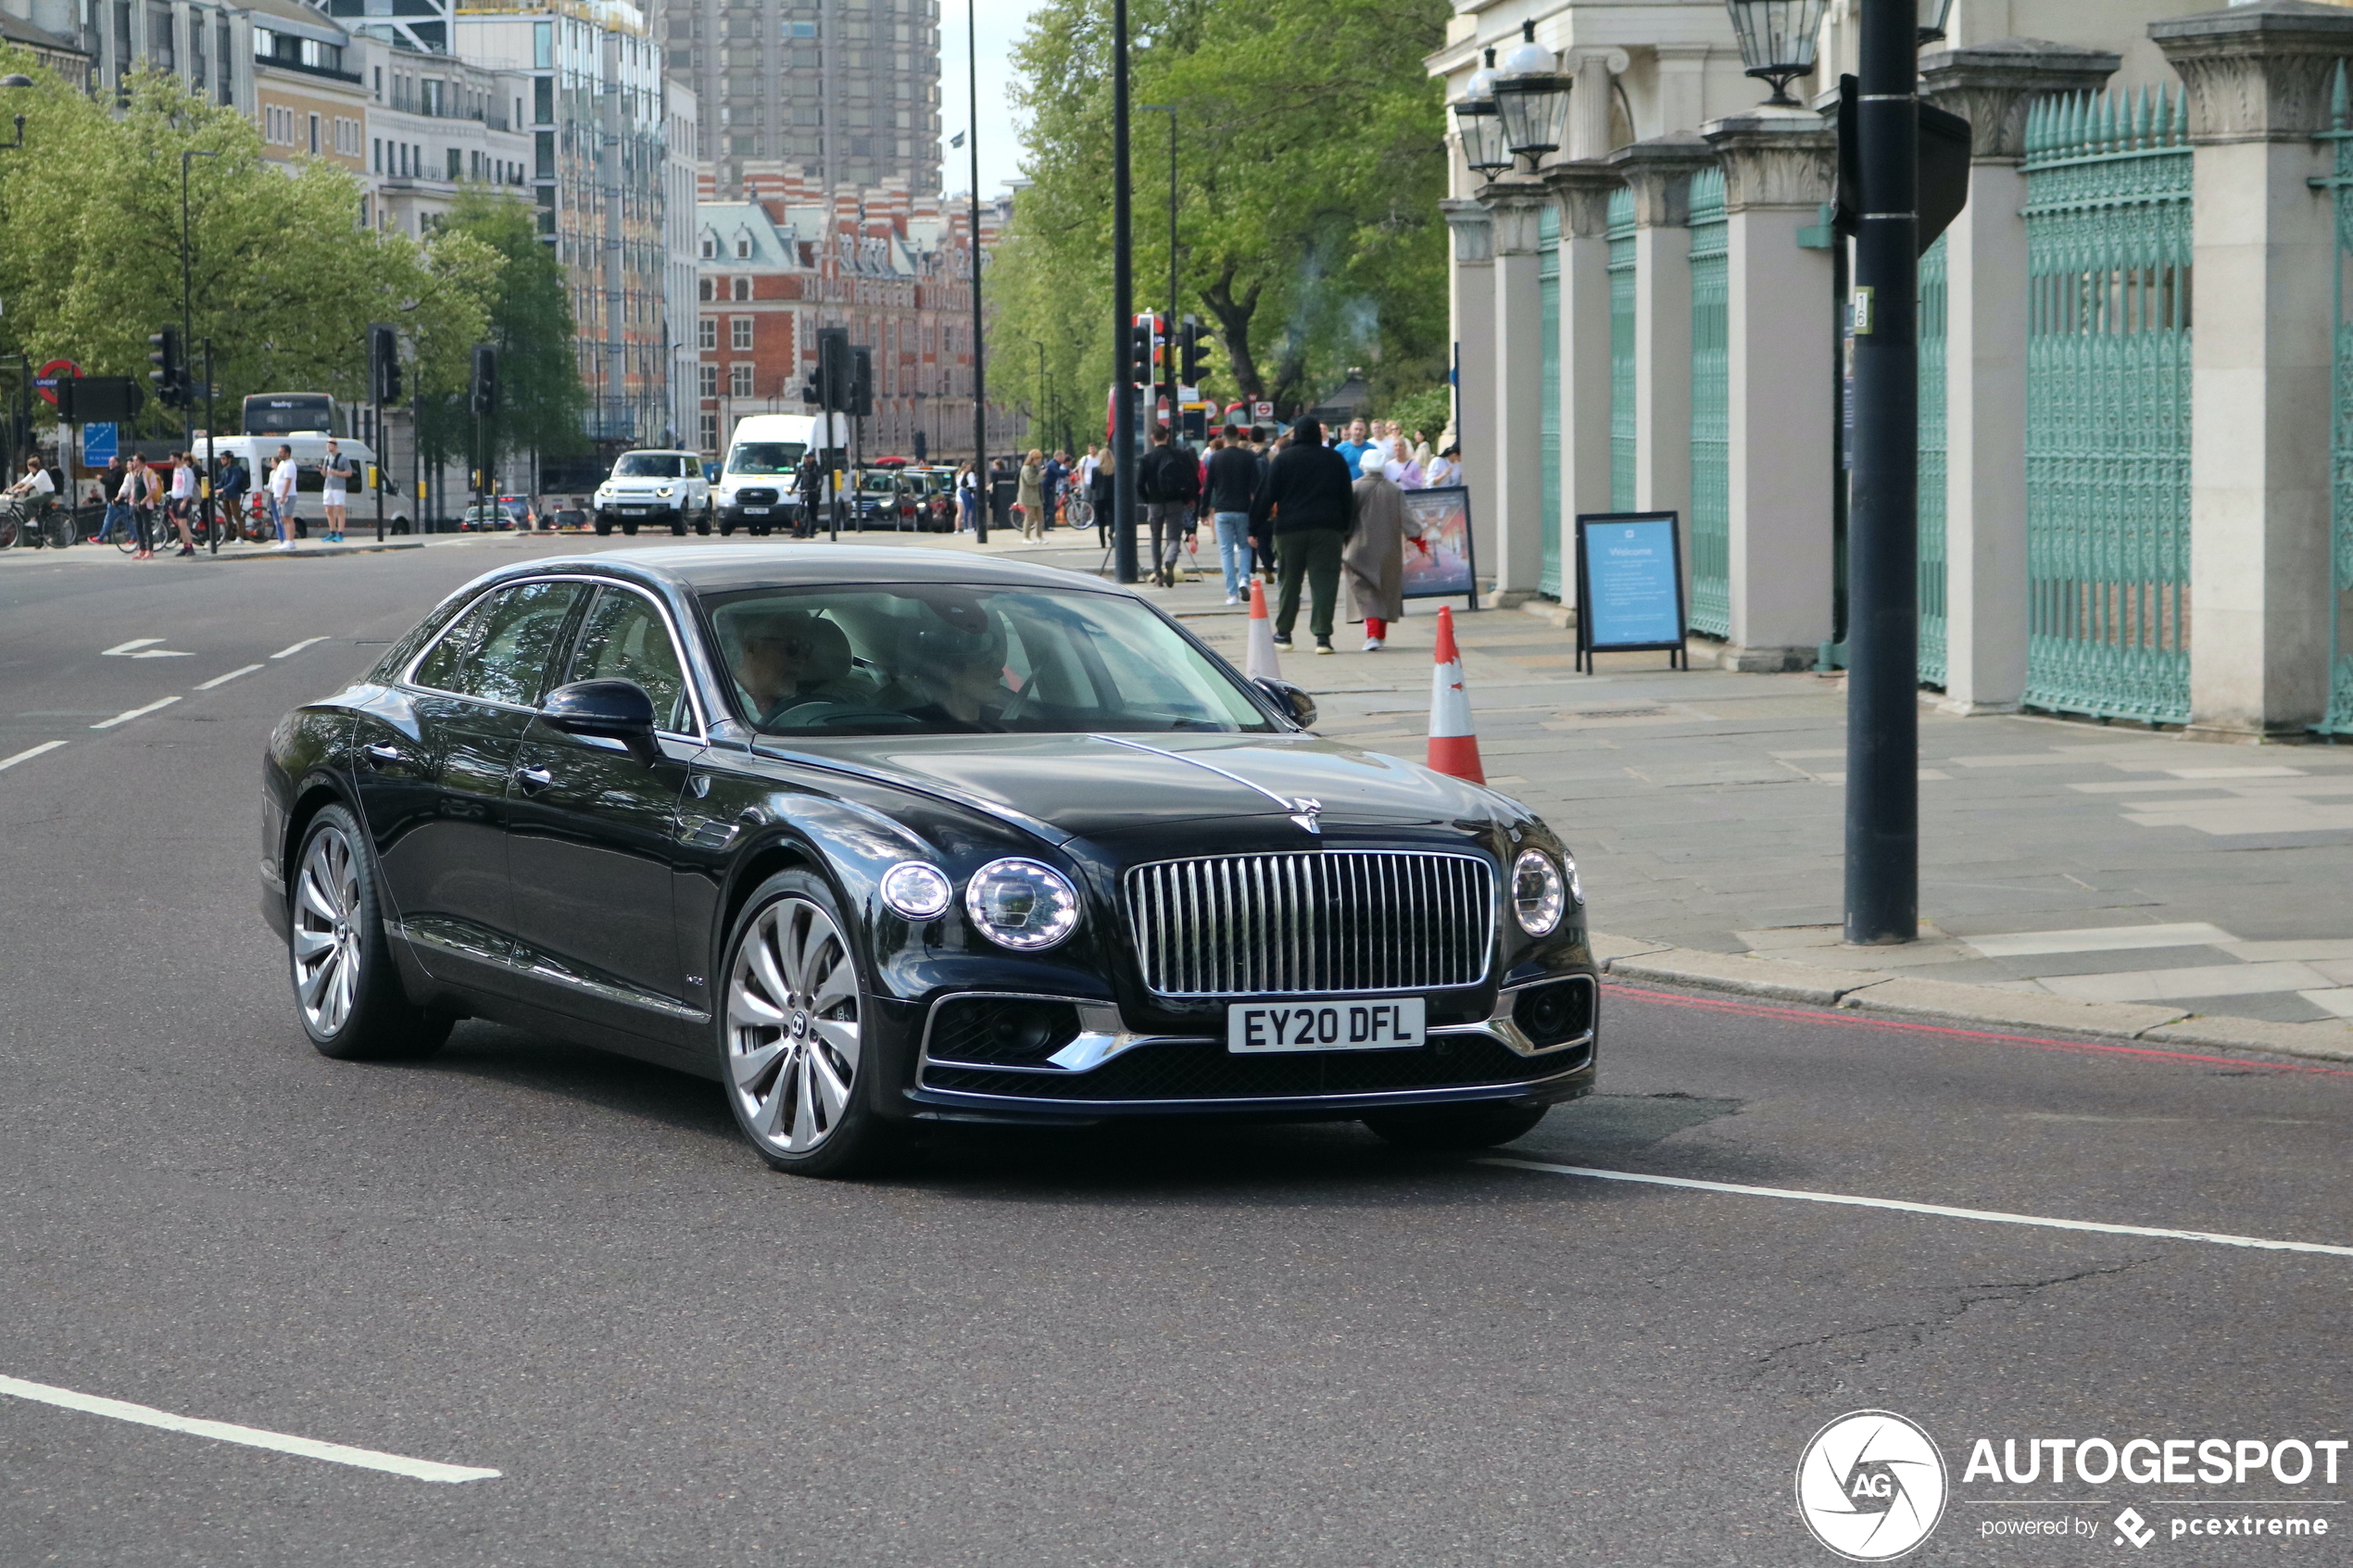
column 664, row 490
column 1022, row 905
column 1538, row 894
column 917, row 890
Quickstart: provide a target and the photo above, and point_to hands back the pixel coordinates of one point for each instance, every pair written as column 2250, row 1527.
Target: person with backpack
column 339, row 473
column 1167, row 482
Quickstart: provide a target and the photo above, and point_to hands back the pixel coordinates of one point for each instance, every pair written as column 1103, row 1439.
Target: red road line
column 1852, row 1020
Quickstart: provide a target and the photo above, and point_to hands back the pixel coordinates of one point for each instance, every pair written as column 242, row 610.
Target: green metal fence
column 1548, row 442
column 2338, row 718
column 1711, row 519
column 2108, row 406
column 1932, row 311
column 1621, row 350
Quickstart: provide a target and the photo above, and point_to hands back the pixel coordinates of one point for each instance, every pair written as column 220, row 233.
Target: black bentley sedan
column 877, row 837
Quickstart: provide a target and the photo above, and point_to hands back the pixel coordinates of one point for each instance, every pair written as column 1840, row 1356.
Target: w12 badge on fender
column 1388, row 1025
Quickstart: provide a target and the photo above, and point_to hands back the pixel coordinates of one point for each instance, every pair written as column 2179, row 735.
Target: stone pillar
column 1990, row 86
column 1470, row 279
column 2259, row 77
column 1517, row 563
column 1660, row 172
column 1591, row 101
column 1582, row 188
column 1779, row 166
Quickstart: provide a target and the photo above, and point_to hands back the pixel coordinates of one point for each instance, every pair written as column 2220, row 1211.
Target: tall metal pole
column 208, row 479
column 1122, row 308
column 1882, row 715
column 1168, row 331
column 982, row 489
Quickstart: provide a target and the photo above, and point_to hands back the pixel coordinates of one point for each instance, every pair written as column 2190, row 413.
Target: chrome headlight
column 1537, row 892
column 917, row 890
column 1021, row 904
column 664, row 490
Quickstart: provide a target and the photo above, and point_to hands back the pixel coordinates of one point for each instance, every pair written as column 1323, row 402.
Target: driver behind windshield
column 790, row 657
column 952, row 667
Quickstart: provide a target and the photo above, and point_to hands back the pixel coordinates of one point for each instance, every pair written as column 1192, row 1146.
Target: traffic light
column 1188, row 353
column 481, row 391
column 813, row 389
column 861, row 403
column 383, row 363
column 170, row 376
column 833, row 368
column 1139, row 353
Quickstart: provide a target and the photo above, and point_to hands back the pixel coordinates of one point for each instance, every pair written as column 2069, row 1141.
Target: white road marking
column 306, row 642
column 122, row 649
column 1994, row 1216
column 224, row 680
column 7, row 763
column 126, row 718
column 252, row 1436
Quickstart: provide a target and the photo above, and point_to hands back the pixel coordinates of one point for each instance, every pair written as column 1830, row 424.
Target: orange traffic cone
column 1454, row 748
column 1261, row 664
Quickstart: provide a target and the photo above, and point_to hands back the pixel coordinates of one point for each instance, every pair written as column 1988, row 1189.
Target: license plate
column 755, row 512
column 633, row 511
column 1391, row 1025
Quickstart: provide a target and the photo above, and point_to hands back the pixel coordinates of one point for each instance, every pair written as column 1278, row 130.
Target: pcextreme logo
column 1871, row 1485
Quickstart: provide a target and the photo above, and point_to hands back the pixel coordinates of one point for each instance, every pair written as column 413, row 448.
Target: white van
column 757, row 489
column 259, row 453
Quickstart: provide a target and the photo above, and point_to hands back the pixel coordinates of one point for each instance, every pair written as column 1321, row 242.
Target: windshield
column 765, row 457
column 650, row 465
column 940, row 658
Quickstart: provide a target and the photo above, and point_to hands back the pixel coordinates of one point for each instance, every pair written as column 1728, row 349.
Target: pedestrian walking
column 229, row 485
column 1444, row 470
column 1167, row 482
column 337, row 473
column 1101, row 482
column 182, row 502
column 283, row 477
column 1030, row 500
column 1262, row 543
column 110, row 481
column 1057, row 476
column 809, row 483
column 1352, row 446
column 1233, row 486
column 967, row 498
column 1308, row 502
column 141, row 491
column 1400, row 469
column 1375, row 557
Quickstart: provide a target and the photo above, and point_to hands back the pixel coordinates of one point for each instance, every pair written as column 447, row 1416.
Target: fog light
column 1550, row 1014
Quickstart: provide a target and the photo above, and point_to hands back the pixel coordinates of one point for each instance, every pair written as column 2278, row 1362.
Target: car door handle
column 533, row 780
column 381, row 756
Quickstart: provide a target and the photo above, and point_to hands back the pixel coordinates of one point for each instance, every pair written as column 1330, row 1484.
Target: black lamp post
column 1170, row 331
column 1481, row 127
column 1778, row 39
column 1123, row 308
column 1531, row 98
column 980, row 325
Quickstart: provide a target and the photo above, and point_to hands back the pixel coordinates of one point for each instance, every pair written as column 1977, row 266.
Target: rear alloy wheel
column 345, row 988
column 1456, row 1126
column 793, row 1035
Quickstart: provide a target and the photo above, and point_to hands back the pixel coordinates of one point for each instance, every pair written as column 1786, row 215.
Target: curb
column 1632, row 958
column 299, row 552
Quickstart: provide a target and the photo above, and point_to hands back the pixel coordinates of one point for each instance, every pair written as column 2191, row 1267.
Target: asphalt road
column 1186, row 1345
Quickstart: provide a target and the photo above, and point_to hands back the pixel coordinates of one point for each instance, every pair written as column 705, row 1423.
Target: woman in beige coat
column 1374, row 557
column 1032, row 497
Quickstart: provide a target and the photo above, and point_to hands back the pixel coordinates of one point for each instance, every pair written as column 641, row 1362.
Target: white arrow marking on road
column 224, row 680
column 126, row 718
column 162, row 653
column 1994, row 1216
column 8, row 762
column 252, row 1436
column 119, row 650
column 298, row 647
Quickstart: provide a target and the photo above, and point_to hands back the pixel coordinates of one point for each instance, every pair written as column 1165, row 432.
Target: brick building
column 892, row 267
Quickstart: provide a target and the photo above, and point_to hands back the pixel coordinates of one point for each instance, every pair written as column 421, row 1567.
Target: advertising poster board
column 1630, row 586
column 1439, row 563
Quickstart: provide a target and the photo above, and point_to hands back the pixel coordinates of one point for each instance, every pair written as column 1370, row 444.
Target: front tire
column 629, row 530
column 1456, row 1126
column 347, row 990
column 604, row 526
column 795, row 1054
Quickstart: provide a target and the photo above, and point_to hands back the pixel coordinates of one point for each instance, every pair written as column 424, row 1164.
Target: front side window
column 624, row 638
column 499, row 651
column 940, row 658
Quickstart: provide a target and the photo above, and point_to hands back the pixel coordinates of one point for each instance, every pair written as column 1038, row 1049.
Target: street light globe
column 1936, row 17
column 1531, row 97
column 1778, row 39
column 1482, row 130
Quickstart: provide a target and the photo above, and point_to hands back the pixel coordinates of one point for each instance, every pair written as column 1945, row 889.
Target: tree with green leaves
column 1311, row 160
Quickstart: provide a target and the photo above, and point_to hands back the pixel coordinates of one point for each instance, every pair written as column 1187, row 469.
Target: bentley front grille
column 1322, row 924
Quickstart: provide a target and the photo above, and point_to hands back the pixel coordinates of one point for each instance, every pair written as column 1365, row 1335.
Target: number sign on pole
column 1630, row 586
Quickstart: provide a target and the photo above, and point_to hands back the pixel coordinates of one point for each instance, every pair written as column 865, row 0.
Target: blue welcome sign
column 1629, row 585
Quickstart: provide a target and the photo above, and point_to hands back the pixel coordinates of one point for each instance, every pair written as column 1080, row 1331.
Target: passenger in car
column 790, row 657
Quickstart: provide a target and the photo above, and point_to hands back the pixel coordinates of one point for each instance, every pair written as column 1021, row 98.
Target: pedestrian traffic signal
column 481, row 391
column 1188, row 353
column 861, row 402
column 383, row 363
column 170, row 376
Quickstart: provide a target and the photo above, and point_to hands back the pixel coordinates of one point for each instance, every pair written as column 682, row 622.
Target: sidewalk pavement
column 2103, row 879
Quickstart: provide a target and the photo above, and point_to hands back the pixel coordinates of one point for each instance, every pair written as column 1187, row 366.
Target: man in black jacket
column 1167, row 482
column 1309, row 502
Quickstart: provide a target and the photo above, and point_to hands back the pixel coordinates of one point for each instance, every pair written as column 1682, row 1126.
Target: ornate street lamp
column 1935, row 15
column 1531, row 97
column 1481, row 127
column 1778, row 39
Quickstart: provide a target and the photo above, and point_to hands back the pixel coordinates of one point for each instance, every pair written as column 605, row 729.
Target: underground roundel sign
column 45, row 378
column 1871, row 1485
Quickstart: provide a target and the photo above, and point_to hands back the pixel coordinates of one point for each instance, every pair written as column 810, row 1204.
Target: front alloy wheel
column 793, row 1034
column 345, row 985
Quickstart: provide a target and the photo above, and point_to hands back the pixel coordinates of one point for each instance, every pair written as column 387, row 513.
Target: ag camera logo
column 1871, row 1485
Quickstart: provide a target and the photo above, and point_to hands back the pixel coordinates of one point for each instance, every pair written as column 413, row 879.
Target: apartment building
column 437, row 124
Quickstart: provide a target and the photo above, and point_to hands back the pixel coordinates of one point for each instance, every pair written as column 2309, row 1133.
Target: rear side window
column 500, row 649
column 624, row 638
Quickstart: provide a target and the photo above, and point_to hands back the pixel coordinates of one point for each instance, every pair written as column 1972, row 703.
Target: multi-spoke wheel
column 345, row 985
column 793, row 1032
